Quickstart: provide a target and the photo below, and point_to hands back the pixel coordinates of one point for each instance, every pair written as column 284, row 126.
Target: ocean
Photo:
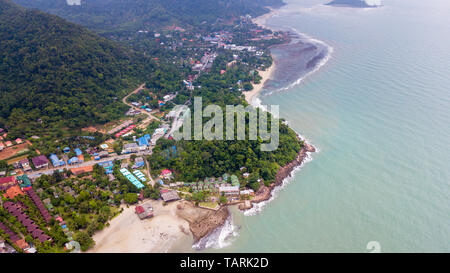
column 372, row 95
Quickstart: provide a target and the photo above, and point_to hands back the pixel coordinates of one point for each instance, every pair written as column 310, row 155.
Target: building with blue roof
column 56, row 161
column 78, row 151
column 144, row 140
column 66, row 150
column 73, row 160
column 108, row 166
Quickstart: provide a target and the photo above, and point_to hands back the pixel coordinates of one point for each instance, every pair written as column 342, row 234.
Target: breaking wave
column 221, row 237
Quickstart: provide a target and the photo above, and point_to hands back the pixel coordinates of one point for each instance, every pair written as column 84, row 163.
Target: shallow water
column 379, row 112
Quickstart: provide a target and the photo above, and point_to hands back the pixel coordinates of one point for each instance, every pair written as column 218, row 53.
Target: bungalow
column 40, row 162
column 37, row 201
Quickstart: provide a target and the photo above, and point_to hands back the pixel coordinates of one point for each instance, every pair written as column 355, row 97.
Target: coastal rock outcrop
column 202, row 221
column 264, row 193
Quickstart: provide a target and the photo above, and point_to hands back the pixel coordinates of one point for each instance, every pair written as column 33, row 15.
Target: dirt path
column 146, row 121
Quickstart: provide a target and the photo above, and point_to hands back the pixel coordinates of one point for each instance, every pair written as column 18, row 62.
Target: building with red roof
column 13, row 192
column 6, row 182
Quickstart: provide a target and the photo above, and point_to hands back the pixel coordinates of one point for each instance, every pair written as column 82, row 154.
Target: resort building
column 144, row 211
column 229, row 190
column 168, row 195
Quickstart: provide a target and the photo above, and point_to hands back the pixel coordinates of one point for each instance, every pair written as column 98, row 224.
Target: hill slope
column 119, row 15
column 59, row 73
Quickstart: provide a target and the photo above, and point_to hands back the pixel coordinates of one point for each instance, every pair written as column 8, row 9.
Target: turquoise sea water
column 379, row 113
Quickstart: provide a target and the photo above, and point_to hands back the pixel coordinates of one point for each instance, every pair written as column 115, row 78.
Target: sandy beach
column 265, row 75
column 172, row 223
column 127, row 233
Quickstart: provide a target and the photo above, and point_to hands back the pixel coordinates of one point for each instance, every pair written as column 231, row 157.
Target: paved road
column 36, row 174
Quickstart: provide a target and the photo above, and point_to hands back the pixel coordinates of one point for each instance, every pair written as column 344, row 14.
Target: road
column 145, row 122
column 49, row 171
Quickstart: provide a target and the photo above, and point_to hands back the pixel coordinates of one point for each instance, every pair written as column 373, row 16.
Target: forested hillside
column 57, row 74
column 121, row 15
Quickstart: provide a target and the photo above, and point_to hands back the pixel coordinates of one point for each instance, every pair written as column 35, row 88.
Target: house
column 166, row 173
column 130, row 148
column 13, row 192
column 138, row 162
column 6, row 182
column 19, row 140
column 169, row 196
column 86, row 169
column 56, row 162
column 73, row 160
column 245, row 175
column 108, row 166
column 8, row 143
column 144, row 141
column 25, row 164
column 40, row 162
column 23, row 181
column 69, row 190
column 78, row 152
column 144, row 211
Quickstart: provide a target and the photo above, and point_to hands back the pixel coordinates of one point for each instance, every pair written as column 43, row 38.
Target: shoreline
column 265, row 74
column 257, row 88
column 180, row 221
column 174, row 222
column 266, row 192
